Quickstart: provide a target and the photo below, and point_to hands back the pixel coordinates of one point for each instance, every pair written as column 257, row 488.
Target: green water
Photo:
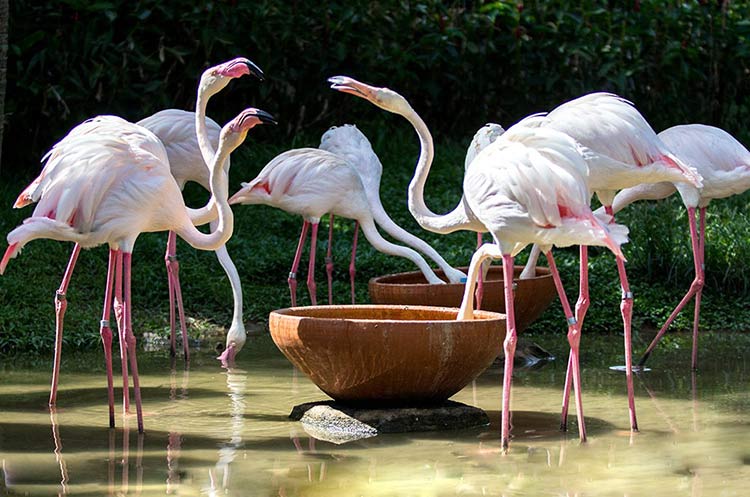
column 210, row 431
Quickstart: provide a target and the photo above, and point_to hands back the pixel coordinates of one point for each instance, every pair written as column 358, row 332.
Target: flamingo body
column 724, row 164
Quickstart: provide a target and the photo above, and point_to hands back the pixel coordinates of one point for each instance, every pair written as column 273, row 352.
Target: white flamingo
column 724, row 164
column 312, row 182
column 351, row 144
column 177, row 130
column 117, row 185
column 528, row 186
column 623, row 151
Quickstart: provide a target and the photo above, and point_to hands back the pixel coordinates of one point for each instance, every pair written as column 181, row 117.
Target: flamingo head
column 384, row 98
column 235, row 131
column 214, row 79
column 236, row 338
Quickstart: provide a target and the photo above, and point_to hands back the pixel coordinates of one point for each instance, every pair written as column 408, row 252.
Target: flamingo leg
column 480, row 279
column 695, row 287
column 699, row 292
column 626, row 309
column 168, row 258
column 175, row 295
column 174, row 266
column 106, row 333
column 119, row 317
column 311, row 287
column 509, row 346
column 292, row 279
column 61, row 304
column 130, row 337
column 352, row 268
column 329, row 259
column 574, row 339
column 582, row 306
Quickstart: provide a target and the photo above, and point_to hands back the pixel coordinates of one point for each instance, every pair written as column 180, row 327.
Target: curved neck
column 459, row 218
column 208, row 212
column 201, row 103
column 219, row 186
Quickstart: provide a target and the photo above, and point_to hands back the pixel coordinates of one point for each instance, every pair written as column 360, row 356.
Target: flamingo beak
column 227, row 357
column 352, row 86
column 239, row 67
column 238, row 197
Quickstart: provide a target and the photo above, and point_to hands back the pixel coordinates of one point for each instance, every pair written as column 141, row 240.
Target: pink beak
column 227, row 357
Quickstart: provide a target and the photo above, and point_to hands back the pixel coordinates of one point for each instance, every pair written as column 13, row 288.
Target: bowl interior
column 495, row 273
column 387, row 313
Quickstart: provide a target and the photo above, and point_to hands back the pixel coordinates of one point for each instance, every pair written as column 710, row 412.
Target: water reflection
column 236, row 380
column 226, row 432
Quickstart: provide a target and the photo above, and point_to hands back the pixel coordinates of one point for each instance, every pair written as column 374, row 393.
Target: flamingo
column 527, row 186
column 623, row 151
column 177, row 131
column 312, row 182
column 724, row 164
column 118, row 184
column 350, row 143
column 190, row 139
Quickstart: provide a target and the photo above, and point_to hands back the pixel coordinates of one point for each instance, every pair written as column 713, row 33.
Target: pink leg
column 120, row 318
column 168, row 258
column 352, row 268
column 106, row 334
column 694, row 287
column 130, row 337
column 626, row 309
column 311, row 268
column 61, row 304
column 329, row 260
column 173, row 272
column 509, row 346
column 175, row 267
column 480, row 279
column 292, row 279
column 699, row 291
column 582, row 306
column 574, row 339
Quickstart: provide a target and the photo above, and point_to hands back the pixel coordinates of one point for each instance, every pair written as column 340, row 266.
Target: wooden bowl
column 532, row 296
column 387, row 355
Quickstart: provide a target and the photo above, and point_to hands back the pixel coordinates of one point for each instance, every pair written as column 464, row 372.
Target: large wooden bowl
column 531, row 296
column 387, row 355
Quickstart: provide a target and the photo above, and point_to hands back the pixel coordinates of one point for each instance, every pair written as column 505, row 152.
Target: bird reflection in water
column 236, row 386
column 174, row 441
column 58, row 451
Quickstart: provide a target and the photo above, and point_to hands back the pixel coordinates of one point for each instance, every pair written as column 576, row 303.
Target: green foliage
column 460, row 63
column 659, row 259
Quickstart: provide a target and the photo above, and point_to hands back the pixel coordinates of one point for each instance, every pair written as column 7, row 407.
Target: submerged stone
column 338, row 423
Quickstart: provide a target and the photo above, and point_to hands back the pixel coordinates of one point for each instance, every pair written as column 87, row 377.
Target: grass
column 660, row 262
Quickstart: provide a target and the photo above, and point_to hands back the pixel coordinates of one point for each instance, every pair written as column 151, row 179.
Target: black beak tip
column 255, row 71
column 265, row 117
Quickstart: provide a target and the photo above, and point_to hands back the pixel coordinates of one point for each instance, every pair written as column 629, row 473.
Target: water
column 215, row 432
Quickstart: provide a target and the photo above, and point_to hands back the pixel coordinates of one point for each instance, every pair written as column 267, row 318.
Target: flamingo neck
column 201, row 103
column 458, row 218
column 219, row 186
column 208, row 212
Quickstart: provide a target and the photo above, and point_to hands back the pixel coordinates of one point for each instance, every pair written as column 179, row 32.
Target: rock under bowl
column 531, row 296
column 387, row 355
